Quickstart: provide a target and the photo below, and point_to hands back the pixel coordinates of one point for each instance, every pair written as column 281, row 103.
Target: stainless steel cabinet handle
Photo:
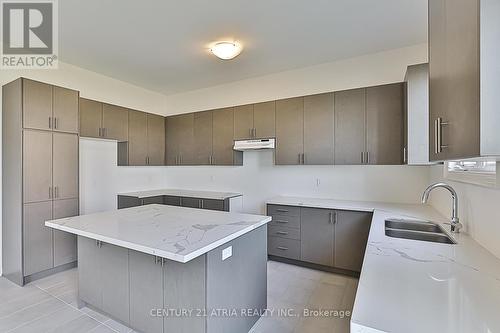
column 282, row 248
column 200, row 203
column 362, row 157
column 55, row 122
column 438, row 135
column 50, row 192
column 300, row 158
column 280, row 221
column 282, row 232
column 98, row 243
column 330, row 217
column 56, row 192
column 404, row 155
column 367, row 157
column 250, row 131
column 281, row 210
column 335, row 218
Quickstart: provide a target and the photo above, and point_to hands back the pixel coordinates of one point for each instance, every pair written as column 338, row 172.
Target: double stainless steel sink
column 417, row 230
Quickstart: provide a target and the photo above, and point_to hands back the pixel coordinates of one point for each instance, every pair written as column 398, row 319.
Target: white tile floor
column 49, row 305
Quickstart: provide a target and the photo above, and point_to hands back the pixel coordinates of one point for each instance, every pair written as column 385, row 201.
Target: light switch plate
column 227, row 253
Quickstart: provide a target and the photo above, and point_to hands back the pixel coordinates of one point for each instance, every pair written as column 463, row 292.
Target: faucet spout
column 455, row 222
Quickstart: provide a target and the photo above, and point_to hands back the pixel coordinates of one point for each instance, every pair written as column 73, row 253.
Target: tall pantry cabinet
column 40, row 177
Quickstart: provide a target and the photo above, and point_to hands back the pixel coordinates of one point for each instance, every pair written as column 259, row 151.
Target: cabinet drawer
column 153, row 200
column 286, row 221
column 283, row 247
column 283, row 232
column 283, row 210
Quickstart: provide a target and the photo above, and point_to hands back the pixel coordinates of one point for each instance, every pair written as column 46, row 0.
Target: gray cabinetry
column 38, row 253
column 146, row 286
column 317, row 234
column 203, row 125
column 125, row 201
column 180, row 139
column 64, row 243
column 331, row 239
column 103, row 277
column 191, row 202
column 254, row 121
column 350, row 143
column 222, row 144
column 384, row 124
column 115, row 281
column 351, row 236
column 156, row 139
column 289, row 131
column 90, row 118
column 138, row 138
column 318, row 129
column 40, row 174
column 146, row 140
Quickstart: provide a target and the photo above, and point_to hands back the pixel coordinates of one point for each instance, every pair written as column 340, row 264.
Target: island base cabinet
column 155, row 295
column 146, row 296
column 103, row 277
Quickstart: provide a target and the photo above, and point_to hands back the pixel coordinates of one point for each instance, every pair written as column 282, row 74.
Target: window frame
column 480, row 178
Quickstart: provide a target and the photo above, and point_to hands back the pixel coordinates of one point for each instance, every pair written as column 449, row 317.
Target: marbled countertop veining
column 182, row 193
column 415, row 286
column 176, row 233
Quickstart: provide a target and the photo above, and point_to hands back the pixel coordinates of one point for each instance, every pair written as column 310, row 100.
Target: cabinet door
column 318, row 129
column 137, row 138
column 65, row 110
column 37, row 238
column 243, row 122
column 90, row 118
column 384, row 124
column 351, row 236
column 146, row 291
column 37, row 170
column 172, row 140
column 89, row 272
column 350, row 137
column 115, row 281
column 115, row 122
column 64, row 243
column 317, row 236
column 289, row 131
column 156, row 140
column 185, row 138
column 172, row 201
column 37, row 105
column 203, row 138
column 223, row 127
column 65, row 166
column 264, row 119
column 212, row 204
column 191, row 202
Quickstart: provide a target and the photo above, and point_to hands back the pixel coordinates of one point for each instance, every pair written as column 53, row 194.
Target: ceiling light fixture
column 226, row 50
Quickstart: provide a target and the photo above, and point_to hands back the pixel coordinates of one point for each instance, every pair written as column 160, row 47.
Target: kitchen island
column 164, row 268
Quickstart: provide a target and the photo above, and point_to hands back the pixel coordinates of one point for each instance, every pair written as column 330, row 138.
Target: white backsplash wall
column 101, row 179
column 259, row 179
column 478, row 209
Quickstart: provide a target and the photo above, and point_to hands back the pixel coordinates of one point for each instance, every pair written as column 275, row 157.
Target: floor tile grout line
column 81, row 311
column 25, row 308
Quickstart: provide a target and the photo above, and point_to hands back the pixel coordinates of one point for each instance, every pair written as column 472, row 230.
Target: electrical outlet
column 227, row 253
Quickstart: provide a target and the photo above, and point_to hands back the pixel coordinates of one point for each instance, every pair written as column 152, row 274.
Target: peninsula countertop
column 176, row 233
column 182, row 193
column 415, row 286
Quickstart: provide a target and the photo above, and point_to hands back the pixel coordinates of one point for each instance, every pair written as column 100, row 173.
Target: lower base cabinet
column 325, row 237
column 201, row 203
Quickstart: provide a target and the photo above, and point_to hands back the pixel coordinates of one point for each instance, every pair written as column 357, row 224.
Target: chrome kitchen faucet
column 455, row 222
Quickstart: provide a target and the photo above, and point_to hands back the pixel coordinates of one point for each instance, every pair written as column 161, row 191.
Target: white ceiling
column 162, row 44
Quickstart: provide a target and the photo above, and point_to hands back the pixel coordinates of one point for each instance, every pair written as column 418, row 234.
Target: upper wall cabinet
column 318, row 129
column 416, row 93
column 49, row 107
column 369, row 125
column 100, row 120
column 202, row 138
column 146, row 140
column 290, row 131
column 464, row 79
column 254, row 121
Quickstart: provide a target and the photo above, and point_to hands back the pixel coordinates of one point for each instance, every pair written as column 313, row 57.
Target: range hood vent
column 243, row 145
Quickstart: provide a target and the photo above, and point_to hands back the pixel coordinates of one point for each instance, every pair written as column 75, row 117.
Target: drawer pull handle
column 282, row 248
column 281, row 221
column 282, row 210
column 282, row 232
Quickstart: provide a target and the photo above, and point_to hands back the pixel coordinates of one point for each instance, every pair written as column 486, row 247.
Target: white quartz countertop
column 414, row 286
column 176, row 233
column 182, row 193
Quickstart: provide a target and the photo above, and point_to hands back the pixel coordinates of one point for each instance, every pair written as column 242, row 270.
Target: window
column 479, row 171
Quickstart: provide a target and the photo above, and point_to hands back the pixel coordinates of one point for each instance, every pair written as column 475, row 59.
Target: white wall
column 478, row 209
column 259, row 179
column 367, row 70
column 100, row 179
